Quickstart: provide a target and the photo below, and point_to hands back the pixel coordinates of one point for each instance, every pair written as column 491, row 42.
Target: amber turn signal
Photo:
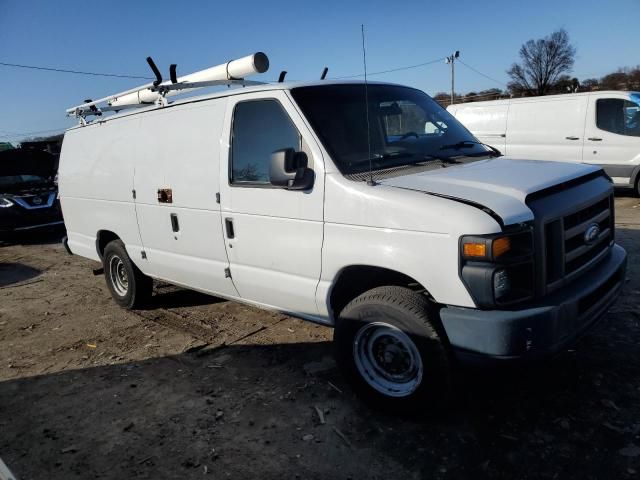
column 473, row 249
column 500, row 246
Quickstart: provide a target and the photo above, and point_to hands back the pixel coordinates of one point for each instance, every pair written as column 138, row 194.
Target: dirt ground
column 197, row 387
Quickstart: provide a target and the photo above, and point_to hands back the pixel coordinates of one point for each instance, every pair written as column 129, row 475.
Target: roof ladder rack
column 227, row 74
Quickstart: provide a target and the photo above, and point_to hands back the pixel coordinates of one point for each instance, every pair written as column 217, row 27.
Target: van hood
column 499, row 184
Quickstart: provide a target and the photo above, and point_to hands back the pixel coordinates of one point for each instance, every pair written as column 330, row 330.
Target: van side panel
column 488, row 122
column 428, row 253
column 96, row 182
column 547, row 129
column 179, row 150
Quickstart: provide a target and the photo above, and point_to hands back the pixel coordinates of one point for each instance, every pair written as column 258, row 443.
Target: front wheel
column 129, row 287
column 388, row 344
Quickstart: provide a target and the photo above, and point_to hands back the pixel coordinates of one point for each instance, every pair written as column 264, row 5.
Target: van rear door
column 613, row 134
column 547, row 128
column 273, row 235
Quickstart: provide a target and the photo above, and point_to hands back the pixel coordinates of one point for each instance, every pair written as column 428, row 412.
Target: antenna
column 370, row 182
column 324, row 73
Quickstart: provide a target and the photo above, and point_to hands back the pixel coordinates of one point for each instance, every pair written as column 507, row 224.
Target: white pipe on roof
column 240, row 68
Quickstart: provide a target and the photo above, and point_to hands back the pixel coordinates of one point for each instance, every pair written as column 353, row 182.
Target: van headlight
column 5, row 202
column 498, row 269
column 501, row 283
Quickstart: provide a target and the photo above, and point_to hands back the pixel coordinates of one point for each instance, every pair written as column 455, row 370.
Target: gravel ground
column 197, row 387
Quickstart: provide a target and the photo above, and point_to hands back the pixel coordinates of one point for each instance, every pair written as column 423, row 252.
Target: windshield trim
column 410, row 169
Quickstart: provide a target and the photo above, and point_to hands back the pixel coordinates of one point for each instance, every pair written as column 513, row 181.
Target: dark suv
column 28, row 193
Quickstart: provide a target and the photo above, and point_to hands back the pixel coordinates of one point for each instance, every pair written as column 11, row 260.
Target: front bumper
column 544, row 327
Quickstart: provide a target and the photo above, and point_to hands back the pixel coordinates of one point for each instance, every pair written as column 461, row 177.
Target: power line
column 98, row 74
column 482, row 74
column 77, row 72
column 392, row 70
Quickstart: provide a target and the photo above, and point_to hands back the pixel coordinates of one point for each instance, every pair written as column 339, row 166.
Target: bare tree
column 590, row 84
column 542, row 62
column 624, row 79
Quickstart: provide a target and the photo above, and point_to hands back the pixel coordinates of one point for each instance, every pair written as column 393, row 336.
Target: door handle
column 595, row 139
column 175, row 226
column 228, row 223
column 572, row 138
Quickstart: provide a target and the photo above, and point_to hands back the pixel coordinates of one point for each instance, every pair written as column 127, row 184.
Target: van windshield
column 406, row 127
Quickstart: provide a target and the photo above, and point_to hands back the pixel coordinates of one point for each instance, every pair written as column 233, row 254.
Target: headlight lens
column 498, row 268
column 474, row 250
column 485, row 248
column 5, row 202
column 500, row 246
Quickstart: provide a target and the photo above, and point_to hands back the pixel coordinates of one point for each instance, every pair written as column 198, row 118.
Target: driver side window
column 260, row 127
column 618, row 116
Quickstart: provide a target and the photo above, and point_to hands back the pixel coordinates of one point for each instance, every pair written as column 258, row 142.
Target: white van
column 419, row 248
column 600, row 128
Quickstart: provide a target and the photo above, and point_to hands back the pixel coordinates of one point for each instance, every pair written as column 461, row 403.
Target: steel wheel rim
column 118, row 275
column 387, row 359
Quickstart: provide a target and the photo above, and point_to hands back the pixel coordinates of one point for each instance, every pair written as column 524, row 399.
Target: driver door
column 273, row 236
column 612, row 135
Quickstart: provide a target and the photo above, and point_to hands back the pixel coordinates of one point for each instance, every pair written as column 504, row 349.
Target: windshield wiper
column 375, row 160
column 445, row 161
column 470, row 144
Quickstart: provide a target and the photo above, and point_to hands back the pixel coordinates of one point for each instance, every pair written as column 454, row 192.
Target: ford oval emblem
column 591, row 233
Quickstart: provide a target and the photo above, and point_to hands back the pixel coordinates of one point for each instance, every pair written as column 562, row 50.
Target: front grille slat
column 580, row 229
column 578, row 252
column 573, row 254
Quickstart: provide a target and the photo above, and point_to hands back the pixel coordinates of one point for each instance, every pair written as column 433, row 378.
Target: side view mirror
column 288, row 169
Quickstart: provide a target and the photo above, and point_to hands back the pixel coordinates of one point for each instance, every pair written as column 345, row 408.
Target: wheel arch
column 635, row 179
column 354, row 280
column 103, row 237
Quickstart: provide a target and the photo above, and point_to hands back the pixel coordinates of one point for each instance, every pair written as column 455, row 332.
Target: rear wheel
column 388, row 344
column 129, row 287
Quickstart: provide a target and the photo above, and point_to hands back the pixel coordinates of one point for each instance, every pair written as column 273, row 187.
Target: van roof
column 546, row 97
column 229, row 92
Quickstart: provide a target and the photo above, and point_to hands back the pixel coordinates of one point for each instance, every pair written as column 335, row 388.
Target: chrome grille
column 32, row 202
column 578, row 250
column 576, row 240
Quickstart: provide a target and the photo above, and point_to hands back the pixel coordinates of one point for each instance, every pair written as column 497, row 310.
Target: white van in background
column 601, row 128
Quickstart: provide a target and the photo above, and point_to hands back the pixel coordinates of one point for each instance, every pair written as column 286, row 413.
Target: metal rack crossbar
column 212, row 83
column 231, row 73
column 93, row 109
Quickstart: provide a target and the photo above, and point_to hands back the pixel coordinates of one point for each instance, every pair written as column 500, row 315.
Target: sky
column 301, row 37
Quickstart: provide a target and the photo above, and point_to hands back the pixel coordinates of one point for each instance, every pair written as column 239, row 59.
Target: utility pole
column 451, row 59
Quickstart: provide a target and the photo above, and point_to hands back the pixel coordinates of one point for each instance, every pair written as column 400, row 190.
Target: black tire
column 129, row 287
column 373, row 320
